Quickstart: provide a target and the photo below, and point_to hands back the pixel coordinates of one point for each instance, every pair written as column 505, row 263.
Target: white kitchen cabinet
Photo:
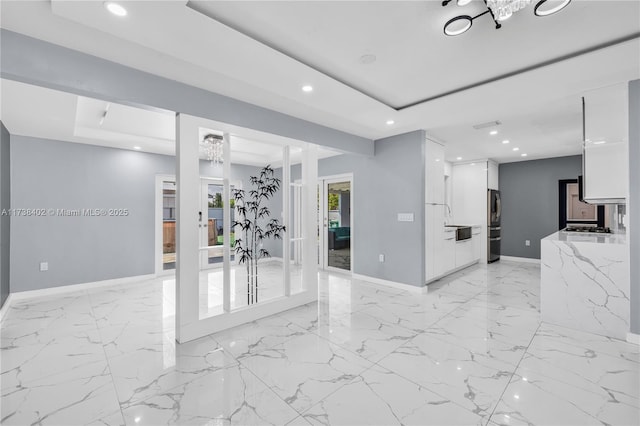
column 605, row 150
column 469, row 203
column 492, row 175
column 434, row 172
column 434, row 209
column 464, row 252
column 434, row 241
column 476, row 241
column 449, row 252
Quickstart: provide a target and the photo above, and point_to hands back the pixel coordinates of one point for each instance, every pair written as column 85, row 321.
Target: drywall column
column 187, row 241
column 309, row 217
column 5, row 205
column 633, row 204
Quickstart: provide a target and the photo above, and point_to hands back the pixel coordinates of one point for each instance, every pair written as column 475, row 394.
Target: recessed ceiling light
column 307, row 88
column 506, row 141
column 493, row 132
column 390, row 122
column 437, row 159
column 137, row 148
column 367, row 59
column 115, row 8
column 599, row 142
column 523, row 155
column 458, row 158
column 516, row 149
column 549, row 7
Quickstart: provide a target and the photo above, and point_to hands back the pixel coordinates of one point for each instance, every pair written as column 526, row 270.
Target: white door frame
column 323, row 220
column 159, row 271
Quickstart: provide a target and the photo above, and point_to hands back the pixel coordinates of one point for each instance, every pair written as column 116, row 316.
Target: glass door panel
column 168, row 225
column 338, row 224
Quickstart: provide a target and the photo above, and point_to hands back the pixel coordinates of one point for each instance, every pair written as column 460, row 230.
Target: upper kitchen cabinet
column 434, row 172
column 492, row 175
column 605, row 149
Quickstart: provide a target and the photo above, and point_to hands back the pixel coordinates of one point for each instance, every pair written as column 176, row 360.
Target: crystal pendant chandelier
column 503, row 9
column 213, row 148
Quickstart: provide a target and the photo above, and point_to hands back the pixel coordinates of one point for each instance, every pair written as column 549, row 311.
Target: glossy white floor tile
column 470, row 351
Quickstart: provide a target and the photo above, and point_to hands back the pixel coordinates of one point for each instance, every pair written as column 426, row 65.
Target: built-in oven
column 463, row 233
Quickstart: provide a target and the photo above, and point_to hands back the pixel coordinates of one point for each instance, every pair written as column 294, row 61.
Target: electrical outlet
column 527, row 243
column 44, row 266
column 381, row 258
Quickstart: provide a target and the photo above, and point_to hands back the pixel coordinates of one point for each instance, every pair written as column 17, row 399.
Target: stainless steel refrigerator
column 493, row 232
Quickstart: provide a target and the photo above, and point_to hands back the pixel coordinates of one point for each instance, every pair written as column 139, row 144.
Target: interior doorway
column 335, row 227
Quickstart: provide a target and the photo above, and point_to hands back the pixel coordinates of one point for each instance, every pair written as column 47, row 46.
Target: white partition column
column 187, row 232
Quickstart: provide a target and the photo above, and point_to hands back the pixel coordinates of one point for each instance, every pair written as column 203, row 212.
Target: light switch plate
column 405, row 217
column 44, row 266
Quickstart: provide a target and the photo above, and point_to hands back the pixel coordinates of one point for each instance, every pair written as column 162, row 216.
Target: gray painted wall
column 389, row 183
column 529, row 191
column 44, row 64
column 634, row 202
column 56, row 174
column 5, row 204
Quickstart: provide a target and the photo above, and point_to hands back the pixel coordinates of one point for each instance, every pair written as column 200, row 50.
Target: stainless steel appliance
column 494, row 228
column 590, row 229
column 462, row 232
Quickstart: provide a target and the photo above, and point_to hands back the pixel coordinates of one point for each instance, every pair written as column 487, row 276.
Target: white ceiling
column 530, row 74
column 45, row 113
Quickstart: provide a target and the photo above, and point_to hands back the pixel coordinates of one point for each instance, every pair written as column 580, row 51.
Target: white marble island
column 585, row 282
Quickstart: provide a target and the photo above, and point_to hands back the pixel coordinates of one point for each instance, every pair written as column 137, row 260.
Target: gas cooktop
column 593, row 229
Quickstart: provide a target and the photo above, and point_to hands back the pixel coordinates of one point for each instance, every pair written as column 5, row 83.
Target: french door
column 335, row 223
column 210, row 223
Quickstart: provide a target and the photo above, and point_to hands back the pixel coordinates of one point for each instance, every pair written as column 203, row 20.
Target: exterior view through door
column 336, row 213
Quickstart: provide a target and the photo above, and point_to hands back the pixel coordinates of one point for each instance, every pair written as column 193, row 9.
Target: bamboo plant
column 255, row 225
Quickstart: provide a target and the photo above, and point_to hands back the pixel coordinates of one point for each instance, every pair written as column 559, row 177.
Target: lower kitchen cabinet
column 449, row 252
column 464, row 252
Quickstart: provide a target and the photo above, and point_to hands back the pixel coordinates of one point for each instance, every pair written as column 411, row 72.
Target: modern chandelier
column 500, row 10
column 213, row 148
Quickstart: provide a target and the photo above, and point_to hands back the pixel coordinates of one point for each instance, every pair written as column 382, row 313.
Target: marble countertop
column 582, row 237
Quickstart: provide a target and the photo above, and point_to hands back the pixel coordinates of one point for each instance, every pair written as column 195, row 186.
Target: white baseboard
column 633, row 338
column 5, row 307
column 519, row 259
column 77, row 287
column 401, row 286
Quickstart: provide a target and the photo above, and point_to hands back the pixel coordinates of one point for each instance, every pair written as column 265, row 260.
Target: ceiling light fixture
column 367, row 59
column 493, row 132
column 500, row 10
column 523, row 155
column 549, row 7
column 137, row 148
column 390, row 122
column 307, row 88
column 104, row 114
column 516, row 149
column 504, row 9
column 115, row 8
column 213, row 148
column 459, row 158
column 506, row 141
column 599, row 142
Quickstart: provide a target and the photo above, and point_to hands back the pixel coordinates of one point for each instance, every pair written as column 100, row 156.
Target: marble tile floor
column 470, row 351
